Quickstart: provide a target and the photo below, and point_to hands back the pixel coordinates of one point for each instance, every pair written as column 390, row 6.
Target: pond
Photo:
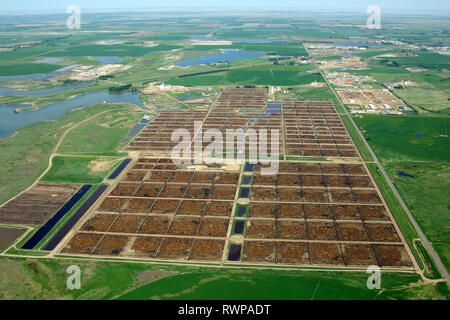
column 106, row 60
column 4, row 91
column 226, row 56
column 11, row 121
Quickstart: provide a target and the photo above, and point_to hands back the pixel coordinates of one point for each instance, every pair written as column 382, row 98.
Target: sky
column 61, row 5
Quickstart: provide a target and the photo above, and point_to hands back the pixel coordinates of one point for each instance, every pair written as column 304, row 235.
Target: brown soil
column 146, row 246
column 268, row 210
column 264, row 180
column 149, row 190
column 175, row 248
column 218, row 208
column 318, row 211
column 354, row 169
column 351, row 232
column 154, row 225
column 289, row 195
column 112, row 204
column 260, row 229
column 382, row 232
column 228, row 178
column 259, row 193
column 255, row 251
column 325, row 253
column 291, row 211
column 337, row 181
column 207, row 249
column 332, row 168
column 309, row 168
column 222, row 192
column 321, row 231
column 391, row 255
column 184, row 226
column 346, row 213
column 159, row 176
column 292, row 253
column 100, row 222
column 361, row 182
column 111, row 245
column 291, row 230
column 214, row 227
column 358, row 255
column 288, row 180
column 173, row 191
column 366, row 196
column 139, row 205
column 311, row 195
column 181, row 176
column 312, row 181
column 198, row 192
column 126, row 224
column 204, row 177
column 191, row 207
column 373, row 213
column 165, row 207
column 341, row 196
column 124, row 189
column 82, row 243
column 135, row 176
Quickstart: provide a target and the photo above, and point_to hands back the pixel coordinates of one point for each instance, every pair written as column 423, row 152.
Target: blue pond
column 10, row 121
column 106, row 60
column 209, row 38
column 14, row 92
column 226, row 56
column 419, row 135
column 404, row 174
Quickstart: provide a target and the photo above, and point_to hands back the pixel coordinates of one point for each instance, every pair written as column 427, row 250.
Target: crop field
column 36, row 205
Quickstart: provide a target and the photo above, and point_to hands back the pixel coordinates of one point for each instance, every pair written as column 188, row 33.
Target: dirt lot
column 318, row 211
column 392, row 255
column 351, row 232
column 291, row 230
column 218, row 208
column 38, row 204
column 100, row 222
column 126, row 224
column 184, row 226
column 139, row 205
column 146, row 246
column 82, row 243
column 260, row 229
column 192, row 207
column 165, row 207
column 112, row 204
column 321, row 231
column 292, row 253
column 358, row 255
column 382, row 232
column 291, row 211
column 256, row 251
column 209, row 250
column 111, row 245
column 154, row 225
column 268, row 210
column 213, row 227
column 175, row 248
column 325, row 253
column 125, row 189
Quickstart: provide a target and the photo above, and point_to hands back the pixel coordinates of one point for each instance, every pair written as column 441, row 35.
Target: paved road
column 422, row 236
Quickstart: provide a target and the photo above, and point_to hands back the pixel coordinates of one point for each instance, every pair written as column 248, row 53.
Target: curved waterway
column 11, row 121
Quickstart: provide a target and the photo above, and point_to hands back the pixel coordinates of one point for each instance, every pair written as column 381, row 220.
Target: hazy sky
column 407, row 5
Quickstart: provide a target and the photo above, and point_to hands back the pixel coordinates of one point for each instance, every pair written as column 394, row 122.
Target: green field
column 26, row 68
column 80, row 169
column 426, row 160
column 46, row 279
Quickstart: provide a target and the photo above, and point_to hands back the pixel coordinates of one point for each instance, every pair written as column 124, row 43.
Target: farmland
column 162, row 229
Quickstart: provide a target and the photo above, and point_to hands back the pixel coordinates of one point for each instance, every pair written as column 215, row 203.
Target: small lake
column 106, row 60
column 226, row 56
column 14, row 92
column 11, row 121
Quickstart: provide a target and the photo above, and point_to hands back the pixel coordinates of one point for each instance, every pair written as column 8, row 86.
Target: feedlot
column 310, row 213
